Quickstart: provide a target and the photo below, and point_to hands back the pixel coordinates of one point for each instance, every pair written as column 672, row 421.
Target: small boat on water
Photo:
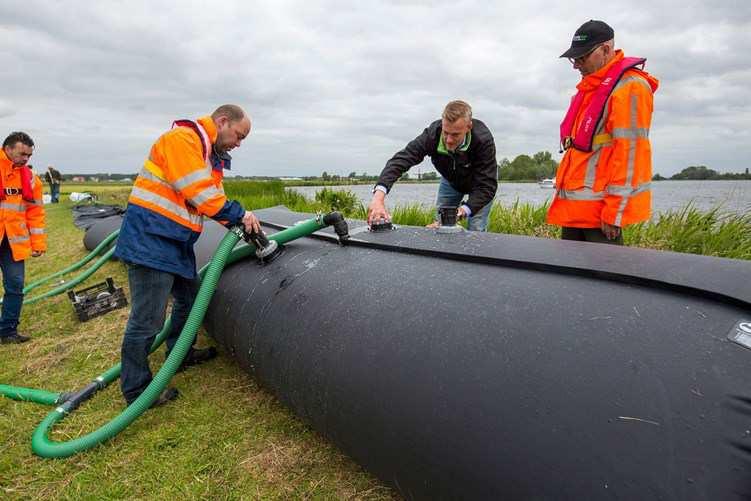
column 546, row 183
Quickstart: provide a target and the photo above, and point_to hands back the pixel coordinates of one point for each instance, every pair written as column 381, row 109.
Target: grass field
column 224, row 438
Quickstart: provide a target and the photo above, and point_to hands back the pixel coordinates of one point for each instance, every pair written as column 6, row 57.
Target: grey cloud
column 338, row 86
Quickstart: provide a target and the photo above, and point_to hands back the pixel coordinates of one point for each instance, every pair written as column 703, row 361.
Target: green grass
column 224, row 438
column 712, row 233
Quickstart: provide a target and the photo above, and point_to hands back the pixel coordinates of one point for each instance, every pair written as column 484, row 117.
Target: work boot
column 165, row 396
column 197, row 356
column 14, row 339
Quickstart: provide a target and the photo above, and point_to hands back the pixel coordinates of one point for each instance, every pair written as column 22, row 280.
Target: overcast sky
column 341, row 86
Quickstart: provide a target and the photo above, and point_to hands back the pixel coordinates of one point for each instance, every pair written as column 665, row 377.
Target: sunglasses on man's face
column 581, row 59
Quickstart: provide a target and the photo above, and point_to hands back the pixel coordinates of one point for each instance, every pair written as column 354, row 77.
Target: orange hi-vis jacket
column 21, row 221
column 181, row 181
column 177, row 180
column 611, row 183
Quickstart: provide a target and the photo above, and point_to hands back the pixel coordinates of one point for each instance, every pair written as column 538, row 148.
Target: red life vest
column 26, row 192
column 582, row 141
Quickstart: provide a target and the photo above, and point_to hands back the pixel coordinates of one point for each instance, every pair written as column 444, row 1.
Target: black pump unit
column 97, row 300
column 448, row 224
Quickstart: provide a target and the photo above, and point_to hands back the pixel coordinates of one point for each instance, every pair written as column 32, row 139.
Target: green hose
column 43, row 446
column 105, row 243
column 31, row 395
column 91, row 255
column 72, row 283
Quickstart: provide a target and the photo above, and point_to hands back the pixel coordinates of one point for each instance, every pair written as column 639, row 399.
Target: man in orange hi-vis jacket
column 180, row 183
column 21, row 227
column 603, row 180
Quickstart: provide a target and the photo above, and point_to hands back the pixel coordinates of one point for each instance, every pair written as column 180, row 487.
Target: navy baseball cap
column 587, row 36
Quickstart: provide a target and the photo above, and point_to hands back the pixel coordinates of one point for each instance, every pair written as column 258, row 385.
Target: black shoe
column 196, row 356
column 165, row 396
column 16, row 339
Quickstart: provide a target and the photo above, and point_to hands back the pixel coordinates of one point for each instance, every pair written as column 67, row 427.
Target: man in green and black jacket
column 463, row 152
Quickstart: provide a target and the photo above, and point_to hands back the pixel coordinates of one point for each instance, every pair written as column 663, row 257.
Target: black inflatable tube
column 481, row 366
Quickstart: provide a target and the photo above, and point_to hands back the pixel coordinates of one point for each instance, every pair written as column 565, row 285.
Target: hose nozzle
column 266, row 250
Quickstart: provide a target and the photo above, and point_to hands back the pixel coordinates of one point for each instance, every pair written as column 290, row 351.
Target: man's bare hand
column 610, row 231
column 377, row 208
column 460, row 214
column 251, row 223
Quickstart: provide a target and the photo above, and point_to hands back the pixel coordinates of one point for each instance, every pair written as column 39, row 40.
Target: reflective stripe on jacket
column 611, row 183
column 177, row 186
column 21, row 221
column 176, row 180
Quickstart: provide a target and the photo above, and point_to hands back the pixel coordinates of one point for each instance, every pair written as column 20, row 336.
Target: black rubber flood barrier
column 485, row 366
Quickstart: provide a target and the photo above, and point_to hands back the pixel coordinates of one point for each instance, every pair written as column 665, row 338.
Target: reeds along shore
column 712, row 233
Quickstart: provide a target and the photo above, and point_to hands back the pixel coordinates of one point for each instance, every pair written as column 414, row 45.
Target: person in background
column 21, row 228
column 54, row 179
column 603, row 180
column 462, row 150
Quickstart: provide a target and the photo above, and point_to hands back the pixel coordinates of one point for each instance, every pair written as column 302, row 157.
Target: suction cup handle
column 258, row 239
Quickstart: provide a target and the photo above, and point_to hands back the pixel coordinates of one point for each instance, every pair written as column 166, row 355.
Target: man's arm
column 35, row 220
column 411, row 155
column 484, row 178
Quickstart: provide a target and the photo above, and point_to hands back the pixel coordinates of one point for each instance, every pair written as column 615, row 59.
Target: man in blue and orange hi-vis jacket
column 21, row 227
column 181, row 181
column 603, row 180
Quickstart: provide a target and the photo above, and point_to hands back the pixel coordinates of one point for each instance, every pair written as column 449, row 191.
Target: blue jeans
column 13, row 277
column 448, row 195
column 149, row 291
column 55, row 192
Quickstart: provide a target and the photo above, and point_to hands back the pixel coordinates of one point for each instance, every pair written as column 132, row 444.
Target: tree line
column 702, row 172
column 541, row 165
column 525, row 168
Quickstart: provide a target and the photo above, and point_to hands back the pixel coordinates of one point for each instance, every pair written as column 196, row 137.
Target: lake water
column 735, row 196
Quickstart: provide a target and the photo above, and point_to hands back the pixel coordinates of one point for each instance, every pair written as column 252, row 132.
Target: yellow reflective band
column 601, row 139
column 154, row 169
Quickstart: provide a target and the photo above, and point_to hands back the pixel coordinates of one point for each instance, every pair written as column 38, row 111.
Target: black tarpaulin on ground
column 85, row 215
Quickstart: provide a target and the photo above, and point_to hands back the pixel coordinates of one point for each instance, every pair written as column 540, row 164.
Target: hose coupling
column 266, row 250
column 75, row 399
column 336, row 220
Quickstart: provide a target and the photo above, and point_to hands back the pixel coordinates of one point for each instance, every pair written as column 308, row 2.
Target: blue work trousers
column 13, row 277
column 149, row 293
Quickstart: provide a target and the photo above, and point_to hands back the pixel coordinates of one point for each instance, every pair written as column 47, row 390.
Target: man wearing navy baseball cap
column 588, row 37
column 603, row 180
